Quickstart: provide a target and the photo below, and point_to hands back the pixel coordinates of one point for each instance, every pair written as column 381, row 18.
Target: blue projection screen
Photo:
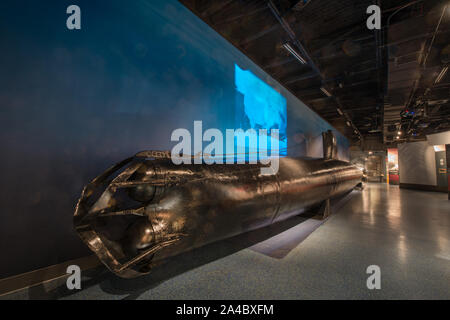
column 259, row 106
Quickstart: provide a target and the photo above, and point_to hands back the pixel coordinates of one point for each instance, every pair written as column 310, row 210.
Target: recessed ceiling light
column 441, row 75
column 297, row 56
column 327, row 93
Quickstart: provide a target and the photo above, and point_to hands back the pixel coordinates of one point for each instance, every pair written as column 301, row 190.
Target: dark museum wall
column 74, row 102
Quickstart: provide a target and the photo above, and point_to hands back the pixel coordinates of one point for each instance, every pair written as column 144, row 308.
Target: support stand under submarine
column 153, row 209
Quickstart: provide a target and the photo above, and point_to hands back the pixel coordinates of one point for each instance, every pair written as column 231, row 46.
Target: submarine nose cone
column 142, row 193
column 140, row 235
column 145, row 191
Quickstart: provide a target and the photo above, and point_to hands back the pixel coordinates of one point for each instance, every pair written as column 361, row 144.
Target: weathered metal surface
column 153, row 209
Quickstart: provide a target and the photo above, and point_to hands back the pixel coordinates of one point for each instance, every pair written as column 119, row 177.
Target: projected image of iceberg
column 259, row 106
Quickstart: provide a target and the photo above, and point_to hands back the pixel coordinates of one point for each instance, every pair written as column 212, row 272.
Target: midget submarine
column 146, row 209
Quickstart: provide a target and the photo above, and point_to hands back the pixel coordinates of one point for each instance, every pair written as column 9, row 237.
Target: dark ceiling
column 357, row 79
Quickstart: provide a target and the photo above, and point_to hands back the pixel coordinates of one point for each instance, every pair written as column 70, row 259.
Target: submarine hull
column 153, row 209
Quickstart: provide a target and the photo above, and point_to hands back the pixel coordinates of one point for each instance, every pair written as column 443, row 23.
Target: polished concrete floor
column 404, row 232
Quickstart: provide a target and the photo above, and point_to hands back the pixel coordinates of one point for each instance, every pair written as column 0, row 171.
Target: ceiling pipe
column 398, row 10
column 416, row 82
column 434, row 35
column 306, row 56
column 388, row 23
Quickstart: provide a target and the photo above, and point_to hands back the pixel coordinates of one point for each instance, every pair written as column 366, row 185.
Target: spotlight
column 328, row 94
column 399, row 133
column 297, row 56
column 441, row 75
